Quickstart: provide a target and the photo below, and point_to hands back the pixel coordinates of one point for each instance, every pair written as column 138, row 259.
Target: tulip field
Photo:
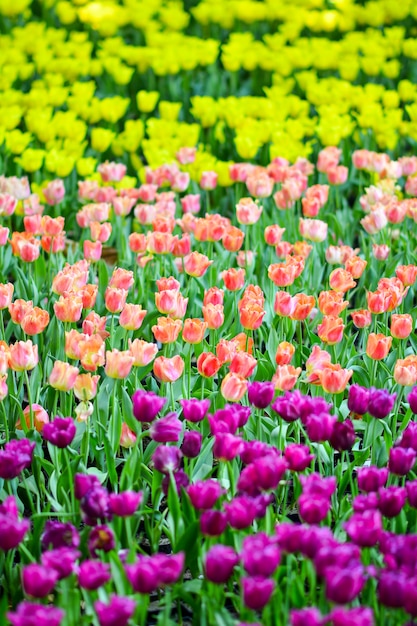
column 208, row 303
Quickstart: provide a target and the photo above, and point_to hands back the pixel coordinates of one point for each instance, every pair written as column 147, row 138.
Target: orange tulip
column 88, row 295
column 273, row 234
column 194, row 330
column 168, row 370
column 332, row 303
column 407, row 274
column 6, row 294
column 284, row 353
column 243, row 343
column 233, row 279
column 243, row 364
column 159, row 243
column 405, row 373
column 331, row 329
column 18, row 309
column 282, row 274
column 361, row 318
column 63, row 376
column 214, row 315
column 355, row 266
column 118, row 363
column 233, row 387
column 40, row 417
column 92, row 250
column 121, row 279
column 378, row 346
column 225, row 351
column 251, row 316
column 341, row 280
column 94, row 324
column 378, row 301
column 401, row 326
column 286, row 377
column 233, row 239
column 68, row 308
column 35, row 321
column 92, row 352
column 167, row 283
column 127, row 437
column 85, row 387
column 23, row 355
column 137, row 242
column 115, row 299
column 196, row 264
column 167, row 330
column 333, row 378
column 248, row 212
column 302, row 248
column 303, row 306
column 143, row 352
column 284, row 304
column 132, row 316
column 316, row 362
column 208, row 364
column 214, row 295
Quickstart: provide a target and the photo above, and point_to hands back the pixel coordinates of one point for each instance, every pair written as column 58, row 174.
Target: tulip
column 168, row 370
column 191, row 444
column 29, row 613
column 117, row 613
column 257, row 592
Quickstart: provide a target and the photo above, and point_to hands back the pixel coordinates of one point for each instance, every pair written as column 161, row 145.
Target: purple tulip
column 15, row 457
column 31, row 614
column 307, row 405
column 101, row 538
column 290, row 537
column 95, row 504
column 254, row 449
column 93, row 574
column 62, row 560
column 224, row 420
column 219, row 563
column 213, row 523
column 358, row 399
column 359, row 616
column 83, row 483
column 286, row 408
column 298, row 457
column 320, row 426
column 412, row 399
column 227, row 446
column 344, row 584
column 391, row 500
column 381, row 403
column 343, row 436
column 314, row 538
column 60, row 432
column 38, row 580
column 263, row 474
column 365, row 502
column 401, row 460
column 205, row 493
column 409, row 437
column 146, row 405
column 411, row 487
column 317, row 485
column 260, row 555
column 12, row 530
column 59, row 535
column 117, row 613
column 260, row 394
column 195, row 410
column 191, row 444
column 126, row 503
column 167, row 459
column 336, row 555
column 306, row 617
column 241, row 511
column 364, row 529
column 166, row 429
column 257, row 592
column 181, row 481
column 391, row 589
column 169, row 567
column 372, row 478
column 313, row 508
column 143, row 575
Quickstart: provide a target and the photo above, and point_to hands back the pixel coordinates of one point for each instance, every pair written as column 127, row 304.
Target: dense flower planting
column 208, row 364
